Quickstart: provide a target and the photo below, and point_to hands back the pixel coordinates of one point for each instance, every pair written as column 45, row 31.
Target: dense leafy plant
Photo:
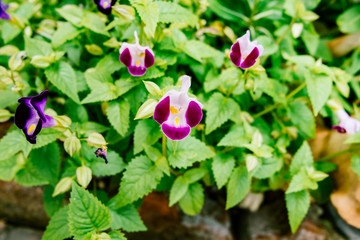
column 256, row 120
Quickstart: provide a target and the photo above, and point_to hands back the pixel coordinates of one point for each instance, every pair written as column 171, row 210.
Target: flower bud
column 257, row 139
column 318, row 175
column 251, row 162
column 147, row 109
column 112, row 43
column 4, row 115
column 296, row 29
column 72, row 145
column 63, row 120
column 96, row 140
column 94, row 49
column 124, row 11
column 153, row 88
column 63, row 186
column 83, row 175
column 16, row 62
column 41, row 61
column 8, row 50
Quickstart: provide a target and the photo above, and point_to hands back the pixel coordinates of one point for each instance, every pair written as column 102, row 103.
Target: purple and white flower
column 3, row 14
column 244, row 52
column 136, row 57
column 102, row 152
column 347, row 124
column 30, row 116
column 104, row 6
column 177, row 112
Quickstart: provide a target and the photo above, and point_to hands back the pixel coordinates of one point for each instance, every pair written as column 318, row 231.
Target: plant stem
column 272, row 107
column 244, row 77
column 349, row 150
column 164, row 145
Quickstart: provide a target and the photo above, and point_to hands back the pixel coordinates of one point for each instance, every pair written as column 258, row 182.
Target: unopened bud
column 63, row 186
column 251, row 162
column 72, row 145
column 146, row 110
column 153, row 88
column 96, row 140
column 83, row 175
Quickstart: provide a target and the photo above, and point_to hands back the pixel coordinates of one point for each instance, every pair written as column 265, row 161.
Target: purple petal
column 39, row 102
column 162, row 110
column 149, row 59
column 339, row 129
column 175, row 133
column 125, row 57
column 101, row 153
column 50, row 122
column 3, row 14
column 25, row 100
column 235, row 54
column 250, row 59
column 32, row 138
column 193, row 114
column 137, row 71
column 23, row 114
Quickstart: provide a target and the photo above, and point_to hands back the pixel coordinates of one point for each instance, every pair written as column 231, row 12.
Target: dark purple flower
column 244, row 52
column 104, row 6
column 136, row 57
column 177, row 112
column 30, row 116
column 3, row 13
column 102, row 152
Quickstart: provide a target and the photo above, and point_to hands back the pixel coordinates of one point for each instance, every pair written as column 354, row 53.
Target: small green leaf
column 86, row 213
column 71, row 13
column 117, row 235
column 302, row 118
column 319, row 89
column 35, row 47
column 9, row 167
column 141, row 174
column 349, row 21
column 46, row 136
column 12, row 143
column 149, row 13
column 147, row 132
column 62, row 75
column 237, row 187
column 126, row 218
column 355, row 138
column 178, row 190
column 267, row 167
column 173, row 13
column 193, row 200
column 235, row 137
column 301, row 181
column 219, row 110
column 58, row 227
column 303, row 158
column 64, row 33
column 186, row 152
column 8, row 98
column 118, row 115
column 222, row 167
column 93, row 22
column 297, row 204
column 355, row 164
column 52, row 204
column 114, row 166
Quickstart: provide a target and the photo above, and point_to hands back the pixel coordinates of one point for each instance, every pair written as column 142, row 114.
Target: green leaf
column 219, row 110
column 141, row 174
column 12, row 143
column 72, row 14
column 303, row 158
column 297, row 204
column 42, row 167
column 58, row 227
column 192, row 202
column 52, row 204
column 178, row 190
column 116, row 235
column 9, row 32
column 186, row 152
column 86, row 213
column 118, row 115
column 35, row 47
column 195, row 174
column 173, row 13
column 9, row 167
column 222, row 167
column 349, row 21
column 147, row 132
column 46, row 136
column 62, row 75
column 115, row 165
column 149, row 14
column 355, row 138
column 355, row 164
column 302, row 118
column 126, row 218
column 235, row 137
column 319, row 89
column 94, row 22
column 301, row 181
column 237, row 187
column 267, row 167
column 64, row 33
column 8, row 98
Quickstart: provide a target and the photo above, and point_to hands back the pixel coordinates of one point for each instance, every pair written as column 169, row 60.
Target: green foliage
column 86, row 213
column 238, row 186
column 349, row 21
column 222, row 167
column 58, row 227
column 297, row 204
column 118, row 115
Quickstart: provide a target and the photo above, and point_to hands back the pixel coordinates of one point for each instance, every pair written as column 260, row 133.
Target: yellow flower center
column 31, row 128
column 173, row 110
column 177, row 121
column 137, row 63
column 106, row 4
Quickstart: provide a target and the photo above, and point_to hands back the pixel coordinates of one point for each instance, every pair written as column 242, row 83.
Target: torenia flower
column 177, row 112
column 244, row 52
column 3, row 13
column 30, row 116
column 136, row 57
column 347, row 124
column 102, row 152
column 104, row 6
